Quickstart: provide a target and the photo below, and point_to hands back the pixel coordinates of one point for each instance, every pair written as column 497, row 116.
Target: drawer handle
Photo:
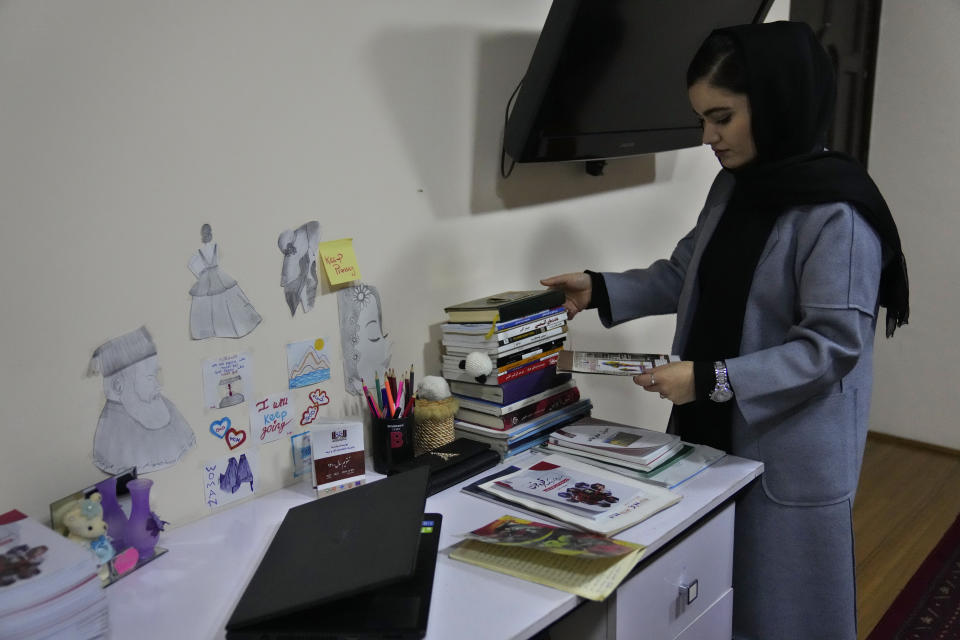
column 689, row 591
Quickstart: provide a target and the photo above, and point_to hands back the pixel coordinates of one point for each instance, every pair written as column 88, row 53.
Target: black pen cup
column 392, row 442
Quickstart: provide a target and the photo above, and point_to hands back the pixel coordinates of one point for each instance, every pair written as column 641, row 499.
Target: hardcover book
column 453, row 347
column 513, row 390
column 453, row 372
column 506, row 359
column 611, row 363
column 521, row 414
column 497, row 409
column 504, row 306
column 480, row 334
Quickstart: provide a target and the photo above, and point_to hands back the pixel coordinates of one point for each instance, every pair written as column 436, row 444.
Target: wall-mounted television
column 608, row 78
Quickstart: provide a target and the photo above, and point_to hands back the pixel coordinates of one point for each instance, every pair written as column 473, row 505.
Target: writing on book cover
column 338, row 457
column 550, row 482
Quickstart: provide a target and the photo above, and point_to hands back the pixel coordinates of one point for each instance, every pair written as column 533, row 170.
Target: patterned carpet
column 929, row 606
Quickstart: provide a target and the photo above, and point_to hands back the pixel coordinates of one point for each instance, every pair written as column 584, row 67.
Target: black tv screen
column 608, row 77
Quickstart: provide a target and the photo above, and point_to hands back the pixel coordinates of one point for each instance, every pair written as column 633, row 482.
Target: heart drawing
column 235, row 438
column 319, row 397
column 219, row 427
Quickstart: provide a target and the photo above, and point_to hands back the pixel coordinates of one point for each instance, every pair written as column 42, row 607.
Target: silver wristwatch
column 722, row 392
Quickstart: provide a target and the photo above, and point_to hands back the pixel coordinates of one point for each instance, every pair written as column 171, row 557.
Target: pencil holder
column 392, row 442
column 434, row 423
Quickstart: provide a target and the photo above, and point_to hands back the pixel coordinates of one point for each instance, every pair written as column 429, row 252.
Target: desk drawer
column 650, row 605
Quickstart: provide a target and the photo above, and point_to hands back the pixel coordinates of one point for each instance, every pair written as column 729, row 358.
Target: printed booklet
column 611, row 363
column 636, row 502
column 338, row 456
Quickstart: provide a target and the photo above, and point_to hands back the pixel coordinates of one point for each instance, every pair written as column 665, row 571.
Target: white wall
column 914, row 159
column 126, row 125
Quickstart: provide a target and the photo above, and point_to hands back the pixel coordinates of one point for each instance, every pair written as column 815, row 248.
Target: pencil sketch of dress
column 218, row 306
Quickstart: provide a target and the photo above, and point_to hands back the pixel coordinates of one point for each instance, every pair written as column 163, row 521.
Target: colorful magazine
column 551, row 483
column 516, row 532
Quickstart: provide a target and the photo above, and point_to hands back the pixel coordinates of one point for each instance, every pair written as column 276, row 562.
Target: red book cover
column 517, row 372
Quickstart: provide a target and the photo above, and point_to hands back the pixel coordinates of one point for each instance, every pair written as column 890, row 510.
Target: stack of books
column 523, row 398
column 49, row 585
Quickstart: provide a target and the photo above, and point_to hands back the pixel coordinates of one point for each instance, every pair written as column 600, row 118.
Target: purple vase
column 113, row 514
column 141, row 532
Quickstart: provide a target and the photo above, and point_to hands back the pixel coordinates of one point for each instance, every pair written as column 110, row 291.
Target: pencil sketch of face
column 138, row 426
column 138, row 390
column 298, row 274
column 366, row 348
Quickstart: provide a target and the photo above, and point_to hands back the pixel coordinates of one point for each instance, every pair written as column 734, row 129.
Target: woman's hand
column 576, row 287
column 673, row 381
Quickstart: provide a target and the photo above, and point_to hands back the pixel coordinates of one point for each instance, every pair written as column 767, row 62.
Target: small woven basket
column 433, row 423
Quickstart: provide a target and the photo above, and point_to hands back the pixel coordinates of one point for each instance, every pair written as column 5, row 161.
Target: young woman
column 776, row 292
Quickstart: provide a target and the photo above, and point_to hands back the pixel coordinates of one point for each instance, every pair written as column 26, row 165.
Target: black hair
column 718, row 62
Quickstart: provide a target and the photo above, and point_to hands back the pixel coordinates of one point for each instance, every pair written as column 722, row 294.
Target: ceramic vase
column 141, row 532
column 113, row 514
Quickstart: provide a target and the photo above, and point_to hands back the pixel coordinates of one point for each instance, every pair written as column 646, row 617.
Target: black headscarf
column 792, row 93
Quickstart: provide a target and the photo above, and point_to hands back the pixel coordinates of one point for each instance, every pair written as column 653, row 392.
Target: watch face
column 721, row 395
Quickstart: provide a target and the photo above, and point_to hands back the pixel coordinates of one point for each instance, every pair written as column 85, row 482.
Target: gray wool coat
column 802, row 389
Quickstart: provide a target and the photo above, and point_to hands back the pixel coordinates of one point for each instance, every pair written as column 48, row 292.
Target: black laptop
column 354, row 565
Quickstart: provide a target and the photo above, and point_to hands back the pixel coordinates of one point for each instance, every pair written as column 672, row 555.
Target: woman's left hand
column 673, row 381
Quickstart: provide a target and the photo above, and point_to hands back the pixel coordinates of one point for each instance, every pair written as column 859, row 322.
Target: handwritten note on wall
column 227, row 380
column 339, row 261
column 272, row 418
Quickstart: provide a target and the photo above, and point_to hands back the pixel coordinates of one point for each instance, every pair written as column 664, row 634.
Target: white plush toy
column 433, row 388
column 478, row 364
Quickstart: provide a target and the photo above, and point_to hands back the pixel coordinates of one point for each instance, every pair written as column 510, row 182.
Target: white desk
column 191, row 591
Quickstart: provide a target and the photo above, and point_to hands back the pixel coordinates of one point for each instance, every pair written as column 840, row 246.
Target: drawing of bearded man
column 138, row 426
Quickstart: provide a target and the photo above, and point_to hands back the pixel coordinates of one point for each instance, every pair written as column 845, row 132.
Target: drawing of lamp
column 232, row 397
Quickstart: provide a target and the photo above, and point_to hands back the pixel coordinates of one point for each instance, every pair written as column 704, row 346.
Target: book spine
column 507, row 324
column 541, row 325
column 533, row 358
column 505, row 346
column 513, row 374
column 557, row 401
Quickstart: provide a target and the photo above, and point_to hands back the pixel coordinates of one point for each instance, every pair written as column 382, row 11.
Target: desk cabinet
column 653, row 603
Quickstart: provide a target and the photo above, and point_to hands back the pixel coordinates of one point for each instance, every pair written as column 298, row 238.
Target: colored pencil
column 366, row 394
column 390, row 399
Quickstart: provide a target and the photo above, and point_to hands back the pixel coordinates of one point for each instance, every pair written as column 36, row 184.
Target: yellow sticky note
column 339, row 261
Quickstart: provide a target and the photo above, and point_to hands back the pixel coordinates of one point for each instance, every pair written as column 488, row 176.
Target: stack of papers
column 49, row 585
column 611, row 446
column 632, row 447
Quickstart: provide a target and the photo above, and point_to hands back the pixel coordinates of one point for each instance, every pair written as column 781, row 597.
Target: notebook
column 328, row 571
